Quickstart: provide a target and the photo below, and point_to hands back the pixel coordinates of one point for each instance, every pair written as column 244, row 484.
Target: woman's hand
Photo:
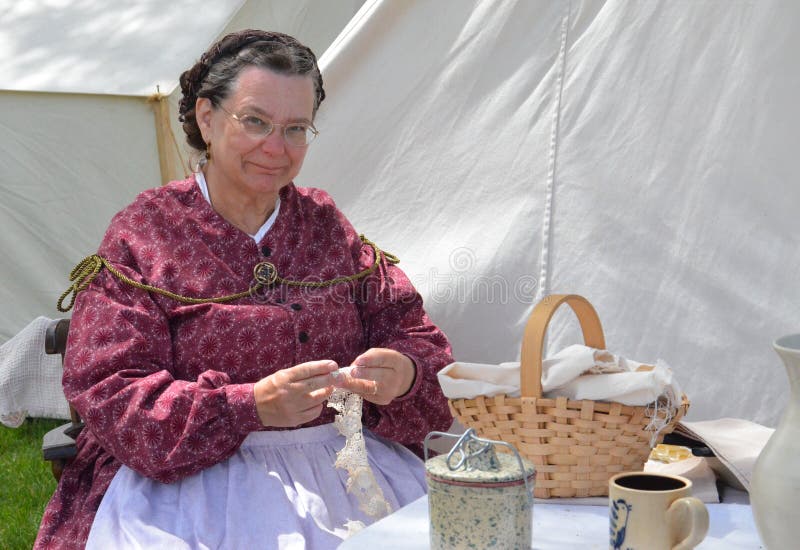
column 294, row 396
column 380, row 375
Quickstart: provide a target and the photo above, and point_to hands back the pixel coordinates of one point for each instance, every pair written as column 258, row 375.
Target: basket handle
column 536, row 330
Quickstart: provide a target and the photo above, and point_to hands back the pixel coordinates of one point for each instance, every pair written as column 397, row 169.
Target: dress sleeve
column 118, row 374
column 393, row 317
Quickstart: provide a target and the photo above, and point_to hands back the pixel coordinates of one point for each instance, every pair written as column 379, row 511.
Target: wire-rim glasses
column 296, row 134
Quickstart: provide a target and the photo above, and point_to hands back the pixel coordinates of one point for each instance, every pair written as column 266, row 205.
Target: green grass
column 26, row 482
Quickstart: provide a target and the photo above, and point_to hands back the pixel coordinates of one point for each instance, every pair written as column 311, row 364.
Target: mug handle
column 692, row 511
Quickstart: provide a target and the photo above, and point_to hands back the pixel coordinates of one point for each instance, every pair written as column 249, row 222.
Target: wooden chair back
column 58, row 446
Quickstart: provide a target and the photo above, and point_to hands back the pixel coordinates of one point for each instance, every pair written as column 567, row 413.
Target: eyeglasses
column 296, row 134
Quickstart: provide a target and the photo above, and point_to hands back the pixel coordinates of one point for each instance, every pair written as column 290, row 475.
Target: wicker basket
column 576, row 446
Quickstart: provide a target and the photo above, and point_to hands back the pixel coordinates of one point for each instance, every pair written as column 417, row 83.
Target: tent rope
column 184, row 164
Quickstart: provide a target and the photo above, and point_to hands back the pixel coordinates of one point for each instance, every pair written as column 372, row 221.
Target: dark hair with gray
column 214, row 74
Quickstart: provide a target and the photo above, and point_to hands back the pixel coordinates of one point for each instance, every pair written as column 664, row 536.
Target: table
column 560, row 526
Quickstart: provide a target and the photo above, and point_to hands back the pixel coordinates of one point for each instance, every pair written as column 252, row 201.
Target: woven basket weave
column 576, row 446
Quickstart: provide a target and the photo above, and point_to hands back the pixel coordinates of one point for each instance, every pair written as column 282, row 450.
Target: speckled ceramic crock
column 480, row 508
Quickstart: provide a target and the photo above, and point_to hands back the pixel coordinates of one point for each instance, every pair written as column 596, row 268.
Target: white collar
column 201, row 183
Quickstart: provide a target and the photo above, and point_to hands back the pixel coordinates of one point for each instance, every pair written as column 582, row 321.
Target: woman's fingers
column 379, row 375
column 346, row 380
column 310, row 414
column 294, row 396
column 382, row 383
column 312, row 379
column 403, row 369
column 318, row 396
column 378, row 357
column 311, row 369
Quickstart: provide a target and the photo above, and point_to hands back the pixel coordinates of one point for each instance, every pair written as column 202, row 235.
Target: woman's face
column 256, row 166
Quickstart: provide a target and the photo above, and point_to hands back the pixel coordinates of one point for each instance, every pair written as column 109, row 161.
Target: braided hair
column 215, row 73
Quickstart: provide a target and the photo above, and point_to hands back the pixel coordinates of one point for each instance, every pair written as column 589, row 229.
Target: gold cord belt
column 265, row 274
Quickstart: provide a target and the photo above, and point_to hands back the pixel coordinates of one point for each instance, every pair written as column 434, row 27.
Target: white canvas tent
column 640, row 153
column 81, row 132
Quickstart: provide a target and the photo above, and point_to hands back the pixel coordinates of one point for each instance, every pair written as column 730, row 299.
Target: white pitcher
column 775, row 487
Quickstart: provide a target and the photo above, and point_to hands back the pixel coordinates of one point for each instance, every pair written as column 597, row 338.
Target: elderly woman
column 202, row 356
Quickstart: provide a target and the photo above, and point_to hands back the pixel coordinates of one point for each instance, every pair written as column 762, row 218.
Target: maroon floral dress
column 167, row 388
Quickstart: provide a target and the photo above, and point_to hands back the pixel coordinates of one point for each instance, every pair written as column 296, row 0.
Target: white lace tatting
column 353, row 457
column 662, row 410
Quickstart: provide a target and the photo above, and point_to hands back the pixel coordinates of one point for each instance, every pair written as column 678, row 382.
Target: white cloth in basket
column 576, row 372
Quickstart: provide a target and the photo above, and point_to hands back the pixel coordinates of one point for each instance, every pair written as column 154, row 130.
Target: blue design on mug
column 618, row 522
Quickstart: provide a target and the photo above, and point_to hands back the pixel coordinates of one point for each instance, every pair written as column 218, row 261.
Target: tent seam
column 544, row 272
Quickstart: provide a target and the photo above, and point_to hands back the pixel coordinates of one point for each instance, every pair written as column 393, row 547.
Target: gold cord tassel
column 82, row 275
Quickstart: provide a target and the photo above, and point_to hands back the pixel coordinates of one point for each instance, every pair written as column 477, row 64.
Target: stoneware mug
column 654, row 512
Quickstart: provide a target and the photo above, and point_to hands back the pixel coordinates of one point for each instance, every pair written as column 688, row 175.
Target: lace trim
column 353, row 458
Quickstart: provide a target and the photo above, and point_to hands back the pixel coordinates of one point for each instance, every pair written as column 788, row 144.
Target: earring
column 208, row 151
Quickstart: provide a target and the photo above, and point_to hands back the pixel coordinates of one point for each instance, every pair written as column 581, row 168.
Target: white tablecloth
column 559, row 527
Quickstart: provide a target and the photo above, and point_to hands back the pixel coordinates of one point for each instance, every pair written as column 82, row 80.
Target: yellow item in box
column 670, row 453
